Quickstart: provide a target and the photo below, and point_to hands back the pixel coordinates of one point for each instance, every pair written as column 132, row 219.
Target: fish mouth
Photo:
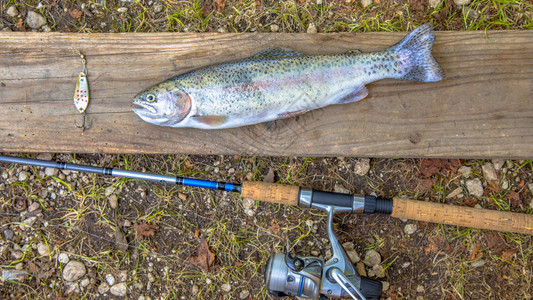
column 143, row 108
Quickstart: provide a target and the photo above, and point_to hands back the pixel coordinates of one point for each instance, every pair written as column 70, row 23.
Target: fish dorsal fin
column 354, row 52
column 277, row 52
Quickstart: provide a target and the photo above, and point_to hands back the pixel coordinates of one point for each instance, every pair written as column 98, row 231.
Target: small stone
column 113, row 201
column 14, row 275
column 23, row 175
column 505, row 184
column 249, row 205
column 315, row 253
column 103, row 288
column 34, row 206
column 372, row 258
column 74, row 270
column 12, row 11
column 352, row 254
column 406, row 265
column 319, row 2
column 455, row 192
column 119, row 289
column 362, row 166
column 465, row 171
column 42, row 249
column 434, row 3
column 489, row 172
column 35, row 20
column 498, row 164
column 471, row 13
column 195, row 289
column 2, row 186
column 462, row 2
column 127, row 223
column 366, row 3
column 63, row 258
column 360, row 268
column 158, row 7
column 274, row 28
column 377, row 271
column 19, row 266
column 385, row 286
column 474, row 187
column 51, row 171
column 8, row 234
column 151, row 277
column 244, row 294
column 420, row 289
column 339, row 188
column 478, row 263
column 122, row 276
column 17, row 254
column 348, row 246
column 122, row 10
column 85, row 282
column 311, row 28
column 110, row 279
column 226, row 287
column 72, row 287
column 44, row 156
column 531, row 204
column 28, row 223
column 409, row 229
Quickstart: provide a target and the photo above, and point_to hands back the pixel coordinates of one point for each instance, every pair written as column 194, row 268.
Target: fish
column 279, row 83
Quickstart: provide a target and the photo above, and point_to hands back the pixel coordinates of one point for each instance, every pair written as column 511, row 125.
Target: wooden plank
column 483, row 109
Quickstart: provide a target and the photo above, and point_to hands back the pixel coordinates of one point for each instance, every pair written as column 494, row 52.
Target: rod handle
column 462, row 216
column 271, row 192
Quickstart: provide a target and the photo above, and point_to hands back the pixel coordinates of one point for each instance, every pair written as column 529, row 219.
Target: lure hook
column 83, row 123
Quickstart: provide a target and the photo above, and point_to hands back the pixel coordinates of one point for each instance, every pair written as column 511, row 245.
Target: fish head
column 162, row 105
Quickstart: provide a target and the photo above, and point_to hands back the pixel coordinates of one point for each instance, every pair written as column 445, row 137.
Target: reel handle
column 462, row 216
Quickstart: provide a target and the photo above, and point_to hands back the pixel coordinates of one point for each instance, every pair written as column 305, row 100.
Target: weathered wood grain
column 484, row 108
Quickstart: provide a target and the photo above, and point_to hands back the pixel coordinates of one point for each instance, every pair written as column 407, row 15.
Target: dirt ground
column 73, row 235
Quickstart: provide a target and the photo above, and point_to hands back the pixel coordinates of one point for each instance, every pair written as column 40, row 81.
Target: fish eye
column 150, row 97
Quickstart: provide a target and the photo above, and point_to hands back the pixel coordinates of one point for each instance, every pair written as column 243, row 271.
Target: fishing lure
column 81, row 94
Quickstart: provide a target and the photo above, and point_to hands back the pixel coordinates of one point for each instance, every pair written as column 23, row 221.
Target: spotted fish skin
column 281, row 83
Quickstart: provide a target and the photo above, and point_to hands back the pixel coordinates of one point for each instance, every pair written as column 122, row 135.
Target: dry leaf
column 220, row 4
column 474, row 255
column 514, row 198
column 197, row 233
column 430, row 167
column 204, row 257
column 145, row 230
column 75, row 13
column 121, row 241
column 508, row 254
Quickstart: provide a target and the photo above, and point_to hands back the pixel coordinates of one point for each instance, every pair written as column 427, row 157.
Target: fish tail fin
column 415, row 56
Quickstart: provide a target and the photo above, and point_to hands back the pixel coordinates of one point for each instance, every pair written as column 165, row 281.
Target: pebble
column 274, row 28
column 311, row 28
column 110, row 279
column 8, row 234
column 498, row 164
column 122, row 10
column 119, row 289
column 42, row 249
column 339, row 188
column 14, row 275
column 103, row 288
column 51, row 171
column 372, row 258
column 85, row 282
column 465, row 171
column 113, row 201
column 35, row 20
column 248, row 205
column 352, row 254
column 244, row 294
column 158, row 7
column 474, row 187
column 366, row 3
column 12, row 11
column 74, row 270
column 195, row 289
column 44, row 156
column 122, row 276
column 34, row 206
column 63, row 258
column 360, row 268
column 17, row 254
column 19, row 266
column 377, row 271
column 72, row 287
column 226, row 287
column 434, row 3
column 362, row 166
column 23, row 175
column 409, row 229
column 462, row 2
column 406, row 265
column 531, row 204
column 478, row 263
column 489, row 172
column 385, row 285
column 420, row 289
column 455, row 192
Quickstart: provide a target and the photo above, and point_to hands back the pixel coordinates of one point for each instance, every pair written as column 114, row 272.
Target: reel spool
column 312, row 278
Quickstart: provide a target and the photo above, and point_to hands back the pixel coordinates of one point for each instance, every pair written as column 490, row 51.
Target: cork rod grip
column 271, row 192
column 462, row 216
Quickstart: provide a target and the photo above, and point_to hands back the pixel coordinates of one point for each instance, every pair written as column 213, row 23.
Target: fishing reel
column 312, row 278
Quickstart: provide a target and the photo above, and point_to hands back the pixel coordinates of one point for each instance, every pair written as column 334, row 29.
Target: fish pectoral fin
column 277, row 52
column 210, row 120
column 291, row 114
column 356, row 95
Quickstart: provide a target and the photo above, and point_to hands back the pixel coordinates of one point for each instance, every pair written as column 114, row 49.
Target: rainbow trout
column 281, row 83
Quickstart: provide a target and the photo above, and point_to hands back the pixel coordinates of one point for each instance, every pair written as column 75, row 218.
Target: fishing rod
column 312, row 277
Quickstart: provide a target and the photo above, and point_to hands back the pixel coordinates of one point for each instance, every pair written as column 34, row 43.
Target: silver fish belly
column 281, row 83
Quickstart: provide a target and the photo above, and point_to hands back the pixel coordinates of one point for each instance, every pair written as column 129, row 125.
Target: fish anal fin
column 290, row 114
column 210, row 120
column 354, row 51
column 356, row 95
